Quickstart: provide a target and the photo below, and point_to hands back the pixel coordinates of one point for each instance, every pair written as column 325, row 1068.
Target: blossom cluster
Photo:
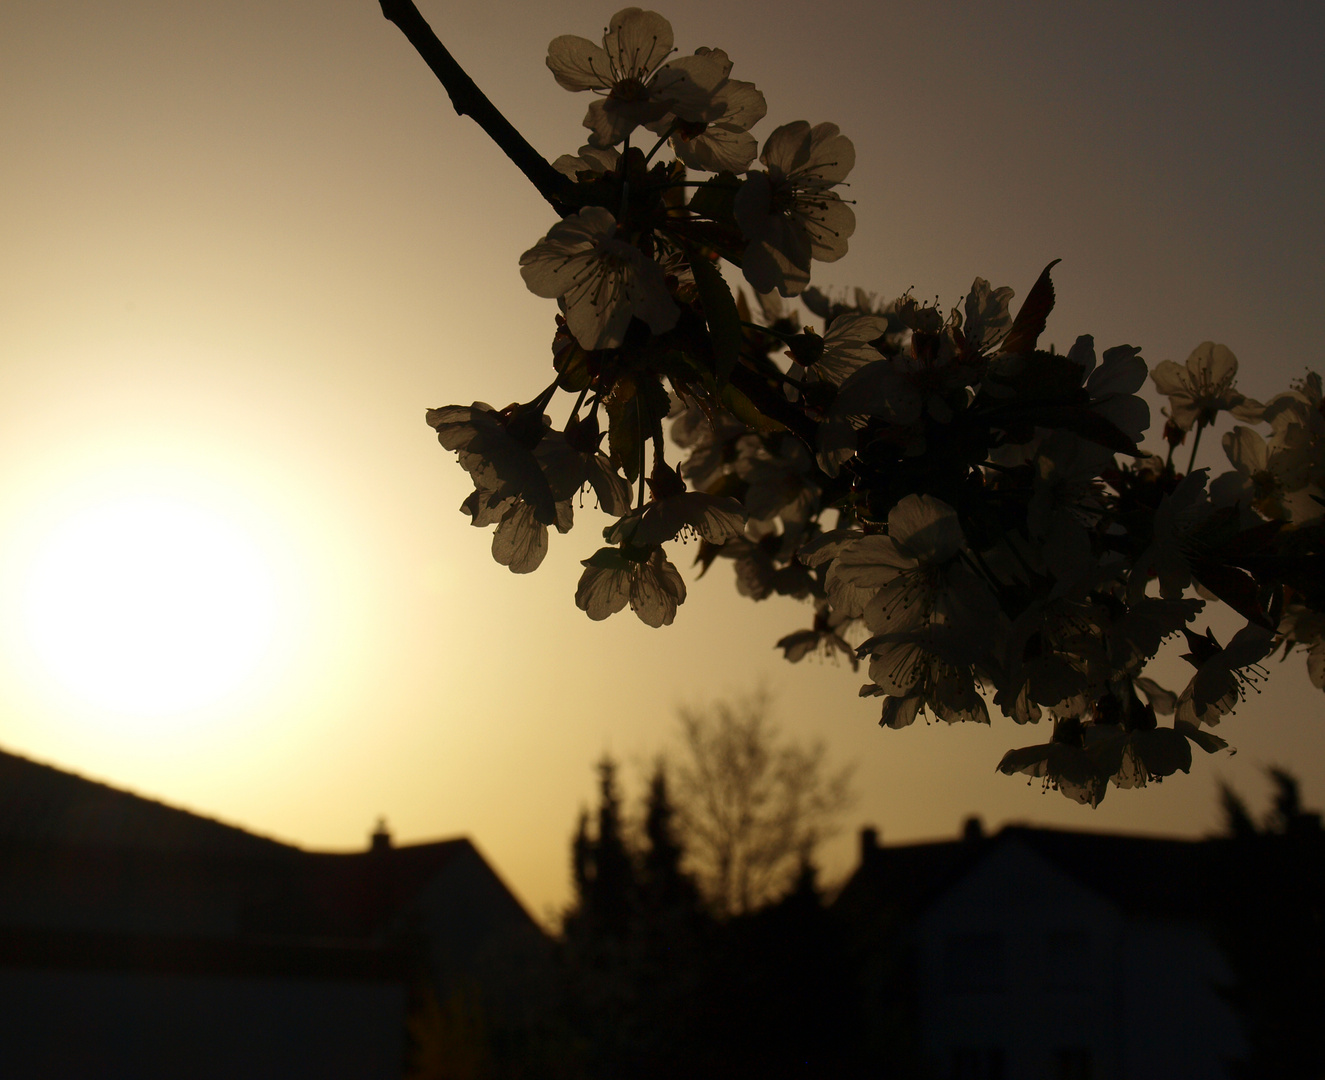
column 969, row 515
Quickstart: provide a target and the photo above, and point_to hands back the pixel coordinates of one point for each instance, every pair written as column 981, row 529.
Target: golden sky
column 246, row 245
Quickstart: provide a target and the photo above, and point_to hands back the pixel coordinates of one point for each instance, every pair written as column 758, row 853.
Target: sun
column 150, row 605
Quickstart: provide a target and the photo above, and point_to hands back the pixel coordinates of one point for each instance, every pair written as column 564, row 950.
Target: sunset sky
column 246, row 245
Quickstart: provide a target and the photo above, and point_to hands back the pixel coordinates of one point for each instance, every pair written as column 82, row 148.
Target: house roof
column 41, row 804
column 1140, row 874
column 78, row 854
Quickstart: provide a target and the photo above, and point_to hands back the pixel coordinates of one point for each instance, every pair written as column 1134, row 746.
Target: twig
column 470, row 101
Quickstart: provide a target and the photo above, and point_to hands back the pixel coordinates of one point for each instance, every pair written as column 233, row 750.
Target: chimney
column 869, row 843
column 381, row 839
column 973, row 829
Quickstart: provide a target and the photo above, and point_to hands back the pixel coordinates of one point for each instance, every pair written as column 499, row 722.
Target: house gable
column 1025, row 971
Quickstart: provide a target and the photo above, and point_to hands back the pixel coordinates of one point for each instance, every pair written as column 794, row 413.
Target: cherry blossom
column 901, row 581
column 1113, row 384
column 847, row 346
column 645, row 579
column 1301, row 627
column 824, row 637
column 718, row 137
column 1202, row 388
column 1258, row 477
column 987, row 317
column 788, row 213
column 590, row 159
column 963, row 507
column 1219, row 682
column 603, row 281
column 630, row 69
column 929, row 681
column 1297, row 447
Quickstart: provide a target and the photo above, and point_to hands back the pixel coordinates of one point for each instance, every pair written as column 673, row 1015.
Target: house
column 139, row 940
column 1048, row 953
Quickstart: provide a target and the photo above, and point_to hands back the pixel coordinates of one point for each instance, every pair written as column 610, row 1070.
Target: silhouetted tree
column 1238, row 821
column 783, row 991
column 752, row 806
column 657, row 987
column 603, row 868
column 599, row 965
column 663, row 883
column 672, row 937
column 1272, row 924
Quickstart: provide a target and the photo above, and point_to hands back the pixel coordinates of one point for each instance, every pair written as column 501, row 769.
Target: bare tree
column 752, row 807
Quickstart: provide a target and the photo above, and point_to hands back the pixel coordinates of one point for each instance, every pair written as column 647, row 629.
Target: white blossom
column 718, row 139
column 913, row 674
column 901, row 581
column 1301, row 627
column 603, row 281
column 1113, row 384
column 987, row 317
column 652, row 586
column 1203, row 387
column 1297, row 447
column 631, row 71
column 590, row 159
column 1220, row 680
column 1257, row 479
column 847, row 346
column 788, row 213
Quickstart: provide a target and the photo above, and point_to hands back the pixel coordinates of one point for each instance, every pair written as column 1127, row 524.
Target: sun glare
column 150, row 605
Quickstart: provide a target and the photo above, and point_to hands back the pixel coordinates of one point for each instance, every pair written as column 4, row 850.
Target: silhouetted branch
column 470, row 101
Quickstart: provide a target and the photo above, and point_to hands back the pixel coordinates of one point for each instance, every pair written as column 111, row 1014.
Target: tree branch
column 470, row 101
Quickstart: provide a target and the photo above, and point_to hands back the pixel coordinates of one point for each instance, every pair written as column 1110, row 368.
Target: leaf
column 747, row 412
column 636, row 408
column 571, row 363
column 715, row 198
column 1234, row 586
column 720, row 312
column 623, row 428
column 1030, row 321
column 1089, row 425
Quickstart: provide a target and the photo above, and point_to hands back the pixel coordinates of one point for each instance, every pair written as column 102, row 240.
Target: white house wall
column 1024, row 973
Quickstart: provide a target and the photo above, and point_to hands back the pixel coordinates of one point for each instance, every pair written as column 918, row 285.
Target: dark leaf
column 1237, row 588
column 715, row 198
column 1089, row 425
column 720, row 312
column 635, row 412
column 745, row 410
column 1030, row 321
column 571, row 363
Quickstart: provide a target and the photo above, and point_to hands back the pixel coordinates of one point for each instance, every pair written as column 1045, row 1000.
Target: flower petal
column 578, row 64
column 831, row 155
column 656, row 591
column 637, row 41
column 925, row 528
column 520, row 541
column 1216, row 362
